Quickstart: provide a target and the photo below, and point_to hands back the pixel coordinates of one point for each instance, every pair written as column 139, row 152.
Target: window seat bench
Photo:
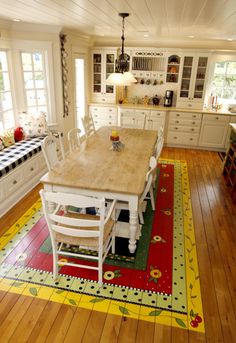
column 21, row 167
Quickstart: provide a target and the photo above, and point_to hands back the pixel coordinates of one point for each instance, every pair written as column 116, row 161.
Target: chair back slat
column 53, row 150
column 74, row 139
column 88, row 125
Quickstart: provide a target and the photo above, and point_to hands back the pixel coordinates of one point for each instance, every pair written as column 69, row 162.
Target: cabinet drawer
column 184, row 122
column 189, row 129
column 216, row 118
column 31, row 168
column 182, row 138
column 14, row 180
column 157, row 114
column 142, row 112
column 127, row 112
column 185, row 115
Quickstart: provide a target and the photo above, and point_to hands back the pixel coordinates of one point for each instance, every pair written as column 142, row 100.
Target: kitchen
column 171, row 28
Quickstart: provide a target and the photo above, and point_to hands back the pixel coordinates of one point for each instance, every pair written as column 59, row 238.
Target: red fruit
column 194, row 324
column 198, row 319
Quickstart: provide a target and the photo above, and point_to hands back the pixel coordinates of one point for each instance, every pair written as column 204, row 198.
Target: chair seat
column 88, row 242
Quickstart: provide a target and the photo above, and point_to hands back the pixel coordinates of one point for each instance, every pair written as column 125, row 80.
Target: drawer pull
column 217, row 118
column 190, row 139
column 194, row 116
column 175, row 137
column 31, row 169
column 177, row 115
column 176, row 128
column 193, row 122
column 14, row 182
column 177, row 122
column 192, row 129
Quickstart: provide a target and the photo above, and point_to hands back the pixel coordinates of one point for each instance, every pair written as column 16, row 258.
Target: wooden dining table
column 95, row 169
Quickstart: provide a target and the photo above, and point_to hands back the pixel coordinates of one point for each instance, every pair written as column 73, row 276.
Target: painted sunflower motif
column 156, row 239
column 163, row 190
column 109, row 275
column 155, row 274
column 166, row 175
column 167, row 211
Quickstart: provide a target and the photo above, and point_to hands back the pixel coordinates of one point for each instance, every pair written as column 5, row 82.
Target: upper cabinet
column 173, row 69
column 103, row 64
column 193, row 80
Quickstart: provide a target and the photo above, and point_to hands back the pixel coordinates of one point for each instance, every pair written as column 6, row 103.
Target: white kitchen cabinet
column 183, row 128
column 134, row 119
column 193, row 81
column 155, row 120
column 214, row 131
column 103, row 115
column 17, row 183
column 103, row 64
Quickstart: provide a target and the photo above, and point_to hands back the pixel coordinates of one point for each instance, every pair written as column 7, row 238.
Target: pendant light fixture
column 122, row 76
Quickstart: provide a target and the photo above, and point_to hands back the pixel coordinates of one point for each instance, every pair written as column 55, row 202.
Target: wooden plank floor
column 25, row 319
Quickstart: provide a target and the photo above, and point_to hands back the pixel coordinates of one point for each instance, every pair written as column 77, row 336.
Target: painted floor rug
column 166, row 290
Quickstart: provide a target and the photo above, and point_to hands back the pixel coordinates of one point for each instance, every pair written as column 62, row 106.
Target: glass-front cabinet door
column 186, row 77
column 193, row 78
column 200, row 78
column 103, row 64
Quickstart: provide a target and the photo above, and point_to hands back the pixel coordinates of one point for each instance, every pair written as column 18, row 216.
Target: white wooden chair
column 91, row 232
column 158, row 150
column 88, row 125
column 74, row 139
column 148, row 189
column 53, row 150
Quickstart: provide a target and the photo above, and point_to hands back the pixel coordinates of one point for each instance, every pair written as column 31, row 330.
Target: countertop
column 163, row 108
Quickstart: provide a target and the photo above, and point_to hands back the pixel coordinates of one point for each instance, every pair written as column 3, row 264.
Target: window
column 224, row 82
column 35, row 82
column 6, row 106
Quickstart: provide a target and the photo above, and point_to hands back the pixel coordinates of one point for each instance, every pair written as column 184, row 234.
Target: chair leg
column 55, row 266
column 113, row 241
column 152, row 198
column 140, row 213
column 100, row 271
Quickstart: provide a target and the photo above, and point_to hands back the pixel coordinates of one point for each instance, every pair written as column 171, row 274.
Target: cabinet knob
column 190, row 139
column 176, row 128
column 177, row 115
column 193, row 122
column 177, row 121
column 31, row 169
column 14, row 182
column 194, row 116
column 192, row 130
column 217, row 118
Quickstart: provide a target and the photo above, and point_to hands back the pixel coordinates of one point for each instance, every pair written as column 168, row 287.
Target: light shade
column 118, row 79
column 130, row 77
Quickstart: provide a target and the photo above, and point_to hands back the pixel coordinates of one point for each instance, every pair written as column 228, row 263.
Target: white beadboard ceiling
column 211, row 22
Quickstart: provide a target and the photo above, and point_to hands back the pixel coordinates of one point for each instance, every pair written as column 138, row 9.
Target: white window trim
column 19, row 46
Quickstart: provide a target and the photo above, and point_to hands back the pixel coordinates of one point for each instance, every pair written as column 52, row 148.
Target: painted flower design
column 62, row 261
column 155, row 274
column 166, row 175
column 21, row 257
column 110, row 275
column 163, row 165
column 163, row 190
column 156, row 239
column 167, row 211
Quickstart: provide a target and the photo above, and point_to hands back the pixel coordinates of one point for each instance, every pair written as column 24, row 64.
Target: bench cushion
column 14, row 155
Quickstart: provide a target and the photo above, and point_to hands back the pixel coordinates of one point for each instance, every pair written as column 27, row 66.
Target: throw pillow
column 8, row 138
column 18, row 134
column 34, row 125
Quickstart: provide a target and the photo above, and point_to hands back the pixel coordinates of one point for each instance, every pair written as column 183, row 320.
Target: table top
column 95, row 167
